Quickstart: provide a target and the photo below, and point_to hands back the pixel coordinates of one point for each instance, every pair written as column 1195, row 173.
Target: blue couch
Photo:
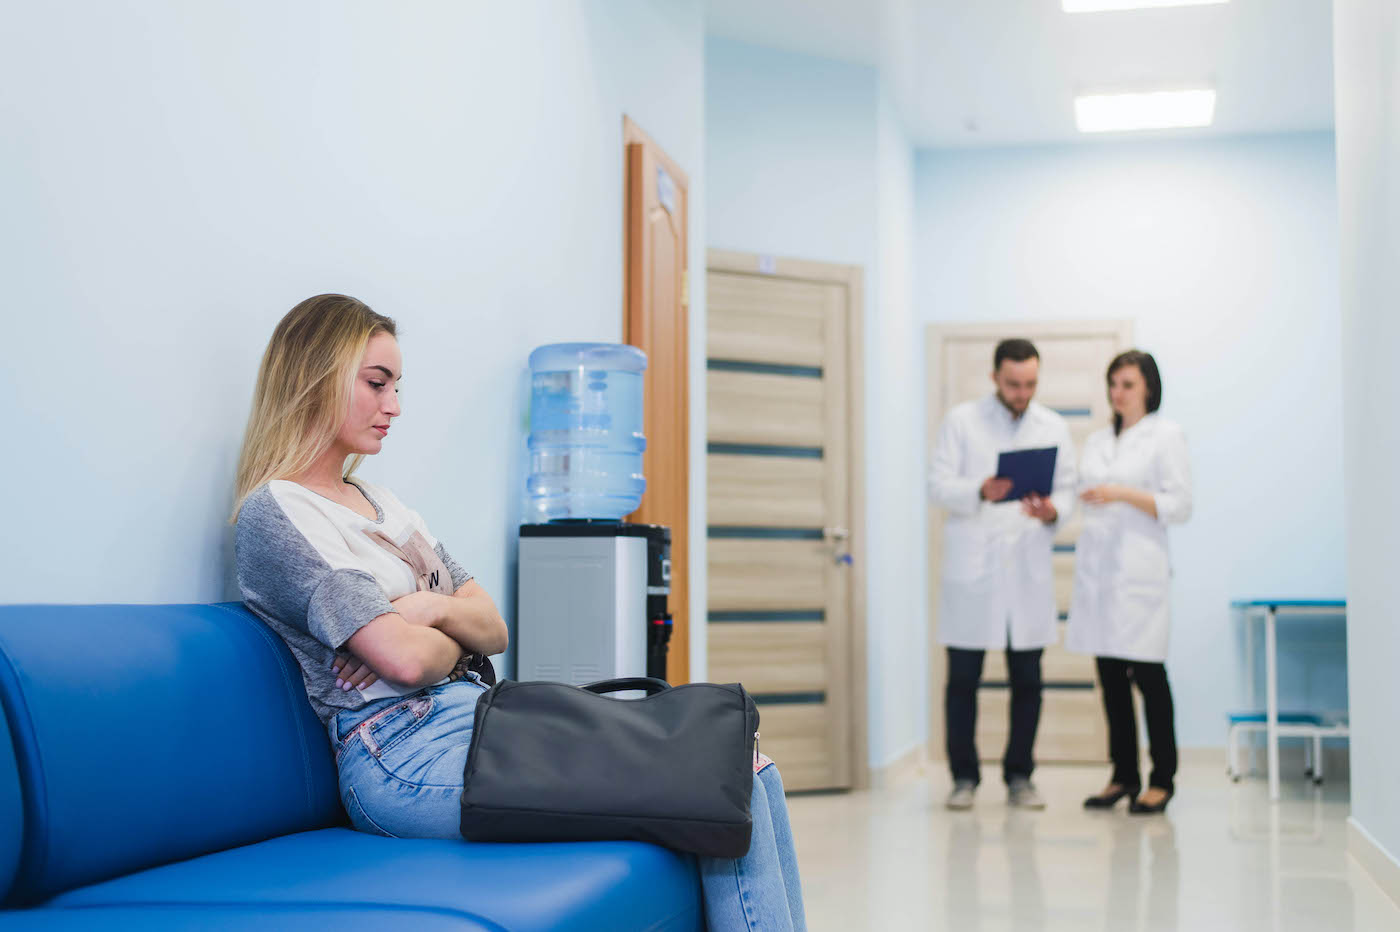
column 160, row 768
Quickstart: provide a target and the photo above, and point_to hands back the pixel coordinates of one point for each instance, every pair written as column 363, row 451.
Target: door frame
column 635, row 318
column 935, row 336
column 852, row 277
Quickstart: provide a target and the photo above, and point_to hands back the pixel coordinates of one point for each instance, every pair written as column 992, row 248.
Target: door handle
column 836, row 537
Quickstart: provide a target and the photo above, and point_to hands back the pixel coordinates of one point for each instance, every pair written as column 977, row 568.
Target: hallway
column 896, row 860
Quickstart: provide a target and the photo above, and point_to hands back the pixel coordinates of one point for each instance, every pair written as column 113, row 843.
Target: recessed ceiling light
column 1108, row 113
column 1101, row 6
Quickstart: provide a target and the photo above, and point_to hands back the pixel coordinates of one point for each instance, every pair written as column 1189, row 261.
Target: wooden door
column 1073, row 360
column 656, row 321
column 784, row 512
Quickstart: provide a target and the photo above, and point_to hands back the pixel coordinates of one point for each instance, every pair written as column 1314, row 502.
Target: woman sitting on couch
column 391, row 633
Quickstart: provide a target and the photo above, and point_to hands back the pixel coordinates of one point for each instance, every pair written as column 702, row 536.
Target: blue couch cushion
column 238, row 918
column 583, row 886
column 150, row 734
column 11, row 810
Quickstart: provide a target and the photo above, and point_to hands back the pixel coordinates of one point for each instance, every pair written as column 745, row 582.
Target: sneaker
column 1022, row 794
column 961, row 797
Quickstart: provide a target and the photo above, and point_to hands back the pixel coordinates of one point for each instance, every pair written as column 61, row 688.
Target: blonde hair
column 303, row 389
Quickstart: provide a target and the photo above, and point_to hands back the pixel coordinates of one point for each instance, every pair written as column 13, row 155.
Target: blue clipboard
column 1029, row 471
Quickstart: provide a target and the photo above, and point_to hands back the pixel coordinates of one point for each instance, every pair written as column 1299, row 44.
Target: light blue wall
column 1223, row 254
column 897, row 615
column 176, row 176
column 806, row 157
column 790, row 153
column 1366, row 38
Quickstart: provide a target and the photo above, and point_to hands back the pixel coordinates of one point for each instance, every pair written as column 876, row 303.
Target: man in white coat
column 997, row 589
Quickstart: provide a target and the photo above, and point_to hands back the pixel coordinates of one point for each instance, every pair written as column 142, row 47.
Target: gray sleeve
column 460, row 577
column 281, row 575
column 343, row 602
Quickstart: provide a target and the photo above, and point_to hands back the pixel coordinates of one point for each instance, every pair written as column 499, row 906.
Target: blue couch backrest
column 11, row 811
column 146, row 734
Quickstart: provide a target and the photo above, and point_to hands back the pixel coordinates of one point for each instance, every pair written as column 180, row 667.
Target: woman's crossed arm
column 420, row 642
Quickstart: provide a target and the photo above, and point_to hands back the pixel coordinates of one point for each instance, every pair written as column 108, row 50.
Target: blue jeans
column 400, row 761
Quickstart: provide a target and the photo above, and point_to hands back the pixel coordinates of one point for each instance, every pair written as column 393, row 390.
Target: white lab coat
column 1122, row 571
column 997, row 582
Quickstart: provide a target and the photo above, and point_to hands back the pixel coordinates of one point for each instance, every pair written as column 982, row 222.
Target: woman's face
column 1127, row 392
column 374, row 398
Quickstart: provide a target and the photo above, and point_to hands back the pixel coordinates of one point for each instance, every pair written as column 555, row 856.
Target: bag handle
column 651, row 684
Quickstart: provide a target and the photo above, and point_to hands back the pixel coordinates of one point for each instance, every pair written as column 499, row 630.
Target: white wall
column 806, row 158
column 1366, row 38
column 176, row 176
column 1223, row 254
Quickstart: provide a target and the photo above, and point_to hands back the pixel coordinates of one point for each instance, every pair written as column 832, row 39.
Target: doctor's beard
column 1015, row 413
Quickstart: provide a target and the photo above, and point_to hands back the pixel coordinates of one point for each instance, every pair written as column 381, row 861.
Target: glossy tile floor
column 1222, row 858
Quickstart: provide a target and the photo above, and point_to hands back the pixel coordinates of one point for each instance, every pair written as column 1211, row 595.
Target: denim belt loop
column 367, row 737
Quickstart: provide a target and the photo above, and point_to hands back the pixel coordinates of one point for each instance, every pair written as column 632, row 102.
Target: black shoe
column 1109, row 800
column 1137, row 808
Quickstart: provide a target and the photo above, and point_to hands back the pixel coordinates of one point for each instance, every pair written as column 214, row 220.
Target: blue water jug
column 586, row 438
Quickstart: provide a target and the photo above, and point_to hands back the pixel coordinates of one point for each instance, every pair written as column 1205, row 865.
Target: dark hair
column 1153, row 379
column 1014, row 350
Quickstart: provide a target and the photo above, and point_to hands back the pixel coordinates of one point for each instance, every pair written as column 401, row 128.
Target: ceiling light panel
column 1116, row 113
column 1103, row 6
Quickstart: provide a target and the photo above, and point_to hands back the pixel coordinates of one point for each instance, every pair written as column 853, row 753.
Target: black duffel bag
column 552, row 762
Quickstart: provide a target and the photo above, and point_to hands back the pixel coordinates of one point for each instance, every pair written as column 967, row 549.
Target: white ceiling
column 1005, row 72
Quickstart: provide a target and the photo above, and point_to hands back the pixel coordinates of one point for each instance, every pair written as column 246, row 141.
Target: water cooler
column 592, row 601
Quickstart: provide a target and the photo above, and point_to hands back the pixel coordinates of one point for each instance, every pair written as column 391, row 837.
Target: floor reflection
column 1144, row 873
column 993, row 874
column 964, row 856
column 1022, row 858
column 1223, row 857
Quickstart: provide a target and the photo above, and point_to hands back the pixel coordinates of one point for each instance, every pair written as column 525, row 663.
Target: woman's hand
column 422, row 609
column 1140, row 499
column 470, row 618
column 1102, row 495
column 352, row 673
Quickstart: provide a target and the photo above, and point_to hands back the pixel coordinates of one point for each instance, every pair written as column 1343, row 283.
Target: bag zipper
column 755, row 749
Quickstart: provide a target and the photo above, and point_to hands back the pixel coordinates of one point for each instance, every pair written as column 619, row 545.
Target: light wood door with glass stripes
column 780, row 507
column 1074, row 357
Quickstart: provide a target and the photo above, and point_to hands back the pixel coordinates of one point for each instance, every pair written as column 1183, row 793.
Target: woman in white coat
column 1135, row 480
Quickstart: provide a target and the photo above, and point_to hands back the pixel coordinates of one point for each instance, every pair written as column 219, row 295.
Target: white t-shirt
column 316, row 572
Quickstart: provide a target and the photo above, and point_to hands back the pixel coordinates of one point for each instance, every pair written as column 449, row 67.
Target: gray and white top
column 316, row 572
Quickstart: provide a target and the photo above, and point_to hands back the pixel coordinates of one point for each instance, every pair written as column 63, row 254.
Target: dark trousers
column 1116, row 677
column 960, row 711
